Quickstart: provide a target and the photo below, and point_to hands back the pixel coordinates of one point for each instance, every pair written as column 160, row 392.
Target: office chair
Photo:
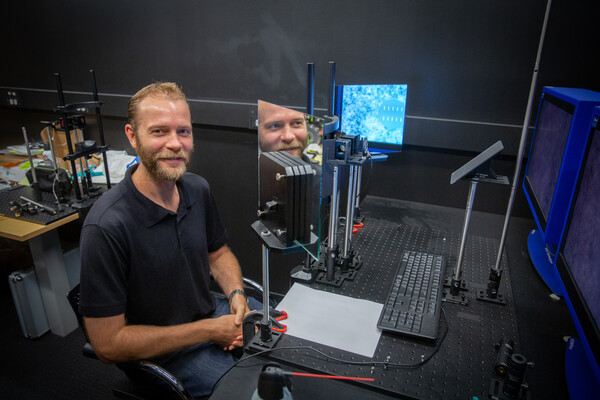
column 126, row 388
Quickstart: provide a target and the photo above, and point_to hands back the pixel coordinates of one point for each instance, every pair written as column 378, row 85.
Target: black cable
column 54, row 187
column 385, row 364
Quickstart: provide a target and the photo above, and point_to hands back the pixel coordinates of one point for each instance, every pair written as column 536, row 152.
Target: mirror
column 298, row 134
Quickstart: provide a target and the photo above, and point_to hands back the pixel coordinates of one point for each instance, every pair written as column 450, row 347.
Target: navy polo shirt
column 147, row 262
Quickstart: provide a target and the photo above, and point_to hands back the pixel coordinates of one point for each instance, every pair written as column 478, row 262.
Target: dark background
column 468, row 66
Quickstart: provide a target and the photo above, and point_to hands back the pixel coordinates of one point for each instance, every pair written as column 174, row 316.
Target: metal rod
column 100, row 128
column 348, row 231
column 51, row 142
column 85, row 175
column 55, row 164
column 331, row 103
column 31, row 166
column 265, row 278
column 79, row 138
column 65, row 114
column 358, row 183
column 463, row 240
column 515, row 181
column 49, row 209
column 333, row 211
column 61, row 95
column 355, row 186
column 310, row 100
column 333, row 221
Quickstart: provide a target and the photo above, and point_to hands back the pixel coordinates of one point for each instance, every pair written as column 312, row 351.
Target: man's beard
column 152, row 164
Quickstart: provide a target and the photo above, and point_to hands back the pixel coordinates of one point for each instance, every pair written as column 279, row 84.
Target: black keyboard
column 413, row 304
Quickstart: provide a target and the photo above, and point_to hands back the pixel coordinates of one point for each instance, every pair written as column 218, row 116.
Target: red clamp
column 355, row 226
column 279, row 316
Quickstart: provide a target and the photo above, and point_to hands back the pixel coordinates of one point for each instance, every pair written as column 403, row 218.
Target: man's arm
column 115, row 341
column 228, row 274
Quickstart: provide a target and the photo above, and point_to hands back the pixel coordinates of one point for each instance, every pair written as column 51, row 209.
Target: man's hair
column 169, row 90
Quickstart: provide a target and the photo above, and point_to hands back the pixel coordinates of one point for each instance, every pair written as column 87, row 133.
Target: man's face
column 163, row 139
column 280, row 128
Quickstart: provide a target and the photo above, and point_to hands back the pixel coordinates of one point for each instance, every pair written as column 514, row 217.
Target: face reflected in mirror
column 281, row 128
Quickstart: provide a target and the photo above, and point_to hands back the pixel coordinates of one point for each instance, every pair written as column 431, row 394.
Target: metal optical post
column 495, row 272
column 266, row 337
column 349, row 210
column 57, row 177
column 356, row 215
column 51, row 144
column 331, row 94
column 456, row 284
column 100, row 127
column 265, row 325
column 65, row 114
column 35, row 184
column 348, row 256
column 339, row 152
column 468, row 210
column 330, row 255
column 310, row 98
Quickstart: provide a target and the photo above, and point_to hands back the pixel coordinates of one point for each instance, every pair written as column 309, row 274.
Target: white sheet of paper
column 331, row 319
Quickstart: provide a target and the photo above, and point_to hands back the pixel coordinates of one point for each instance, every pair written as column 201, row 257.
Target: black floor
column 52, row 367
column 49, row 367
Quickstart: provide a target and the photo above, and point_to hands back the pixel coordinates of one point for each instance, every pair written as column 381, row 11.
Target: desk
column 462, row 359
column 49, row 267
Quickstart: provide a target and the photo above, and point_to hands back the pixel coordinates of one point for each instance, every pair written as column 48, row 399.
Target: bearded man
column 281, row 129
column 148, row 248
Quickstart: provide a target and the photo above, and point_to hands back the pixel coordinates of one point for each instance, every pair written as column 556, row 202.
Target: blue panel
column 579, row 270
column 581, row 380
column 557, row 148
column 543, row 259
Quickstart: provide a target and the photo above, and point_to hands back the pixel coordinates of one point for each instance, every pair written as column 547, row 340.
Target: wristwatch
column 236, row 291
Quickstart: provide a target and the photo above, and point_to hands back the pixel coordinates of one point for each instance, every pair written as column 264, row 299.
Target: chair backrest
column 73, row 297
column 143, row 369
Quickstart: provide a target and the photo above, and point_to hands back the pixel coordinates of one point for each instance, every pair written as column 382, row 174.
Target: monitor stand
column 581, row 380
column 542, row 259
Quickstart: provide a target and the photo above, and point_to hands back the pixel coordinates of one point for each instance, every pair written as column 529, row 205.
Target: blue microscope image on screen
column 374, row 111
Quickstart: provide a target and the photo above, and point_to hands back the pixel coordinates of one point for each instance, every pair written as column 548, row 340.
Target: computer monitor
column 376, row 112
column 557, row 149
column 578, row 265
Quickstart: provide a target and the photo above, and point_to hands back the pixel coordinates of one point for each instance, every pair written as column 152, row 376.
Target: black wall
column 468, row 66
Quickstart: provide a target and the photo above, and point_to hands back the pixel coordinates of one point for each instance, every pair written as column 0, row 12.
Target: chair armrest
column 88, row 350
column 151, row 369
column 252, row 284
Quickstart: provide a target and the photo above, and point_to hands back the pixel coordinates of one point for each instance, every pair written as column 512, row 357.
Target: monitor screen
column 373, row 111
column 579, row 259
column 547, row 149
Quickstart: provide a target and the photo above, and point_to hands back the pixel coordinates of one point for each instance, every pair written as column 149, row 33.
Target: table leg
column 54, row 284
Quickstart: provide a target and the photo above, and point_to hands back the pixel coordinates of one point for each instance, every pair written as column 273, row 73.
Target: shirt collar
column 147, row 211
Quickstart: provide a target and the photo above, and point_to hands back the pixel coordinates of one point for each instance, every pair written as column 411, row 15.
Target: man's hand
column 239, row 308
column 227, row 333
column 227, row 272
